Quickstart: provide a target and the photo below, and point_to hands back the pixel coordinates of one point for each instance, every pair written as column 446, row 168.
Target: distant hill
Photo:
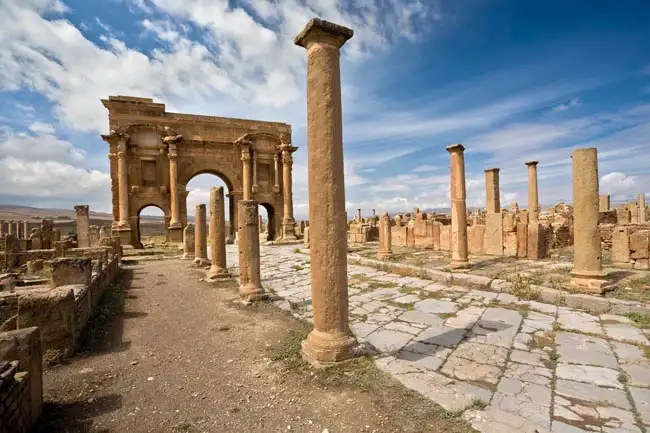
column 34, row 214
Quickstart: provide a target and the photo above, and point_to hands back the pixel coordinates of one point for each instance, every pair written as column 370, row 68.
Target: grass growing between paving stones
column 521, row 288
column 632, row 289
column 407, row 411
column 640, row 320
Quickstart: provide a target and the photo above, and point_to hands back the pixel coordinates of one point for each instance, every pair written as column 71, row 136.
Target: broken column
column 331, row 339
column 533, row 197
column 587, row 273
column 200, row 240
column 188, row 241
column 358, row 218
column 459, row 257
column 218, row 269
column 493, row 218
column 641, row 200
column 385, row 251
column 83, row 226
column 603, row 203
column 250, row 283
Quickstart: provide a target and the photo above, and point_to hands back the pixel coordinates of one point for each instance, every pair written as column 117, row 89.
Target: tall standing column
column 83, row 226
column 218, row 269
column 288, row 223
column 533, row 197
column 123, row 184
column 493, row 201
column 25, row 230
column 200, row 239
column 175, row 221
column 10, row 227
column 255, row 186
column 250, row 282
column 459, row 248
column 276, row 173
column 331, row 339
column 587, row 273
column 246, row 171
column 17, row 229
column 358, row 215
column 2, row 227
column 642, row 218
column 385, row 251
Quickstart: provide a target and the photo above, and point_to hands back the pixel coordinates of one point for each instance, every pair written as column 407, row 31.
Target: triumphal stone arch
column 154, row 154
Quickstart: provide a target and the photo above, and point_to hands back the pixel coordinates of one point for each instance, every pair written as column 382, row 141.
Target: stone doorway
column 155, row 225
column 267, row 213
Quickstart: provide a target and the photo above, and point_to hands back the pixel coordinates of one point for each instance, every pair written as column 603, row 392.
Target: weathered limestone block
column 37, row 243
column 621, row 246
column 67, row 271
column 623, row 216
column 494, row 234
column 83, row 228
column 522, row 217
column 24, row 346
column 60, row 247
column 53, row 312
column 56, row 235
column 640, row 244
column 476, row 239
column 509, row 223
column 399, row 235
column 510, row 244
column 435, row 230
column 536, row 242
column 445, row 238
column 188, row 241
column 522, row 239
column 93, row 234
column 35, row 267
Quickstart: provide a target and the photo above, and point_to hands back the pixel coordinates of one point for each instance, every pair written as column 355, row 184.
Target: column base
column 384, row 255
column 200, row 261
column 187, row 256
column 289, row 230
column 322, row 349
column 276, row 189
column 460, row 264
column 176, row 233
column 250, row 293
column 590, row 281
column 216, row 273
column 125, row 235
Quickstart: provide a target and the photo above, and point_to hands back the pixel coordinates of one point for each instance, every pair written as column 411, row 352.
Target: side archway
column 156, row 226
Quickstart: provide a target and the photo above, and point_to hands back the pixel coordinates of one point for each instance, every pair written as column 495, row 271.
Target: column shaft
column 459, row 258
column 276, row 173
column 587, row 270
column 492, row 199
column 250, row 283
column 246, row 172
column 331, row 340
column 173, row 188
column 288, row 223
column 200, row 239
column 533, row 197
column 218, row 269
column 385, row 251
column 122, row 177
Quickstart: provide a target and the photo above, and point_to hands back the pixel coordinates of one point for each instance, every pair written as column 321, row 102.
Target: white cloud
column 571, row 103
column 617, row 183
column 44, row 147
column 41, row 128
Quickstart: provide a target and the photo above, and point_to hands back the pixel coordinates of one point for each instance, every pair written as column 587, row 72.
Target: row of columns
column 13, row 228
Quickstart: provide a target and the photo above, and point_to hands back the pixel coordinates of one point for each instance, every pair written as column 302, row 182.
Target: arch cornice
column 164, row 131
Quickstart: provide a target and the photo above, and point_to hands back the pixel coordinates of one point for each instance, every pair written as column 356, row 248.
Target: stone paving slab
column 513, row 365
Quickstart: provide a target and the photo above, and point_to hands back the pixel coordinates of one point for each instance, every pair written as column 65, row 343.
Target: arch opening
column 151, row 225
column 198, row 192
column 269, row 227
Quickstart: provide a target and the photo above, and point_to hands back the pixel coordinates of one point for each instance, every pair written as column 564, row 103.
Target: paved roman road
column 512, row 365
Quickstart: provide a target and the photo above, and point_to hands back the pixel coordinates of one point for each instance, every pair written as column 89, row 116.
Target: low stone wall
column 21, row 385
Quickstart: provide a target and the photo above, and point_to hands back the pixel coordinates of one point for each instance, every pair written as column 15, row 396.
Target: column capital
column 532, row 163
column 495, row 170
column 287, row 159
column 172, row 139
column 455, row 148
column 81, row 209
column 323, row 32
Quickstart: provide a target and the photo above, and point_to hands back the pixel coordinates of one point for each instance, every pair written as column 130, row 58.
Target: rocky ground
column 168, row 353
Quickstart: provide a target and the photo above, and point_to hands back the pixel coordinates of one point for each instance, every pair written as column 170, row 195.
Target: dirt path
column 167, row 353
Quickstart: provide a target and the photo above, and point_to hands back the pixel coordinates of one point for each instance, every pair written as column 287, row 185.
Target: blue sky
column 511, row 80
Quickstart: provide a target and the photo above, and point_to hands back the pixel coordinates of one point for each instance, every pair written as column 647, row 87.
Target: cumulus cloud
column 41, row 128
column 617, row 183
column 43, row 147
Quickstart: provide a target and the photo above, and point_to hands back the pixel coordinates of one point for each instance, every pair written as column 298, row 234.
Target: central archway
column 197, row 191
column 152, row 224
